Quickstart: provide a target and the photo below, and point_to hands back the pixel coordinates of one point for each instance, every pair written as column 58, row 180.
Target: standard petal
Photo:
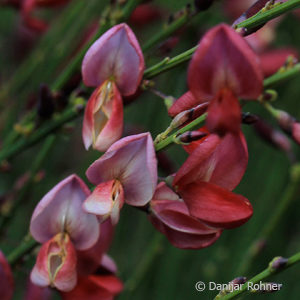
column 116, row 54
column 224, row 60
column 6, row 279
column 60, row 210
column 216, row 206
column 132, row 161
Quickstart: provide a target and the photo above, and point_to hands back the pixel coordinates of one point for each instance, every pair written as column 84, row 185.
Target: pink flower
column 114, row 64
column 60, row 223
column 170, row 216
column 128, row 166
column 222, row 69
column 214, row 168
column 6, row 279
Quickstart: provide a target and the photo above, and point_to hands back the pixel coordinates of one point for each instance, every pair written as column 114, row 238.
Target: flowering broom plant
column 141, row 138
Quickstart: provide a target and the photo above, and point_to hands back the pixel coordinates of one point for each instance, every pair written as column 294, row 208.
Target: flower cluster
column 191, row 207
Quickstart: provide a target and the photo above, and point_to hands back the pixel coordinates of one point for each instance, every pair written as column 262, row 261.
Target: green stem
column 290, row 194
column 25, row 247
column 282, row 76
column 264, row 16
column 35, row 137
column 170, row 139
column 260, row 277
column 168, row 30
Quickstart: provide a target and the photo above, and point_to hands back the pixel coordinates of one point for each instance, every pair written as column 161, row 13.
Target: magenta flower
column 6, row 279
column 62, row 226
column 114, row 64
column 222, row 69
column 129, row 165
column 170, row 216
column 213, row 169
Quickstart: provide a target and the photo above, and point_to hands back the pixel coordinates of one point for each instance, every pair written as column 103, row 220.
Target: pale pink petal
column 116, row 54
column 132, row 161
column 60, row 210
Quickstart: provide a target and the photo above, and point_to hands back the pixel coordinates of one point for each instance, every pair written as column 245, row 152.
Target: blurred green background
column 148, row 264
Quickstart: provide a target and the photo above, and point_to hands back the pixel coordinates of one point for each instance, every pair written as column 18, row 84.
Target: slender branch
column 48, row 128
column 290, row 194
column 260, row 277
column 170, row 139
column 269, row 14
column 168, row 30
column 25, row 247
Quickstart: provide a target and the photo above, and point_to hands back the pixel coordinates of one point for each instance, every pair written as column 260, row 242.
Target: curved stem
column 260, row 277
column 269, row 14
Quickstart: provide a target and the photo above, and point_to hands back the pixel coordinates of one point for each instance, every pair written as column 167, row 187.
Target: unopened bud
column 268, row 96
column 189, row 115
column 249, row 119
column 239, row 280
column 189, row 136
column 278, row 263
column 203, row 4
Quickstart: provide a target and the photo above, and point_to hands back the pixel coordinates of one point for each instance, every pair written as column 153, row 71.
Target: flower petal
column 198, row 166
column 103, row 117
column 116, row 54
column 132, row 161
column 224, row 113
column 215, row 205
column 56, row 264
column 60, row 210
column 224, row 60
column 227, row 163
column 6, row 279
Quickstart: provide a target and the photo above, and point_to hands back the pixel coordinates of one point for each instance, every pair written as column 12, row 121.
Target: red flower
column 6, row 279
column 214, row 168
column 222, row 69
